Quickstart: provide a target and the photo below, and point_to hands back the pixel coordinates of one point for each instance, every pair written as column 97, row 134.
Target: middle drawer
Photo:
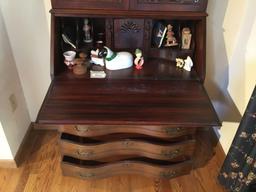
column 91, row 149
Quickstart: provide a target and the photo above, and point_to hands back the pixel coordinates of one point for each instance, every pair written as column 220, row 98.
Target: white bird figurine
column 116, row 61
column 188, row 64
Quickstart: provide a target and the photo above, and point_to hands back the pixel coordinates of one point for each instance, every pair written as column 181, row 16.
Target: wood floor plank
column 40, row 172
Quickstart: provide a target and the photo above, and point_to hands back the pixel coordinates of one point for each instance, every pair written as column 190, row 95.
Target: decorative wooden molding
column 130, row 27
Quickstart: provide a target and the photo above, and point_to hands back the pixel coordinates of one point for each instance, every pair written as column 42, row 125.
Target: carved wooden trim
column 130, row 27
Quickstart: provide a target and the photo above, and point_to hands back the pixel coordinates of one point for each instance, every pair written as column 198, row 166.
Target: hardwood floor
column 40, row 172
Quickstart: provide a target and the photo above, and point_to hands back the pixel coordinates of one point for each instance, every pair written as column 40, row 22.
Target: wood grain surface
column 143, row 102
column 155, row 131
column 40, row 171
column 103, row 170
column 135, row 148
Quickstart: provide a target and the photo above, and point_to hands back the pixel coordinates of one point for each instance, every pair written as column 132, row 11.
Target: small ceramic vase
column 69, row 58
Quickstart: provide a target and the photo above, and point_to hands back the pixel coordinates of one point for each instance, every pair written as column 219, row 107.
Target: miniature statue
column 87, row 31
column 170, row 39
column 186, row 64
column 139, row 60
column 95, row 59
column 186, row 38
column 180, row 63
column 116, row 61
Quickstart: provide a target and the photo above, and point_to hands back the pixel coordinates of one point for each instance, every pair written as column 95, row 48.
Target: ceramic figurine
column 188, row 64
column 95, row 59
column 186, row 38
column 116, row 61
column 139, row 60
column 170, row 39
column 180, row 63
column 69, row 58
column 87, row 31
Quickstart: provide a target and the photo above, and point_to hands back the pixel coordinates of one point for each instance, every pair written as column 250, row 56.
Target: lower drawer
column 89, row 149
column 142, row 166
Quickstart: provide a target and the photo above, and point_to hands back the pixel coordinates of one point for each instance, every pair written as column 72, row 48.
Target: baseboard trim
column 217, row 144
column 8, row 163
column 18, row 157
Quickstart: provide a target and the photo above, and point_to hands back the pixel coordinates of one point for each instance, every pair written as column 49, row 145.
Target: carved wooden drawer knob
column 80, row 128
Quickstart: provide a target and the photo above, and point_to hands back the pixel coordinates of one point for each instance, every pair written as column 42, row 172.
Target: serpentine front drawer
column 98, row 130
column 89, row 149
column 149, row 168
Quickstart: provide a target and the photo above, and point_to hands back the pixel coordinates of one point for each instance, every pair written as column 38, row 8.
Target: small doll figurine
column 87, row 31
column 186, row 38
column 186, row 64
column 180, row 63
column 170, row 39
column 95, row 59
column 139, row 60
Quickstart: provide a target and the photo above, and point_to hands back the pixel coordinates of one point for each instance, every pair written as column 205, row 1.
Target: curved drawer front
column 98, row 130
column 126, row 167
column 128, row 147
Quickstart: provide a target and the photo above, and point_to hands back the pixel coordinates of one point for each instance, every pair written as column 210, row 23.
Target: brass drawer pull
column 171, row 131
column 80, row 128
column 171, row 154
column 168, row 175
column 84, row 153
column 86, row 175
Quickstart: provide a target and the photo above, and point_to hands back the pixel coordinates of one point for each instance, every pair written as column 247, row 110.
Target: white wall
column 5, row 152
column 13, row 123
column 231, row 61
column 28, row 31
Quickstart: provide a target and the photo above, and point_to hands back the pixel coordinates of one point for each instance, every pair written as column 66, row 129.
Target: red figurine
column 139, row 60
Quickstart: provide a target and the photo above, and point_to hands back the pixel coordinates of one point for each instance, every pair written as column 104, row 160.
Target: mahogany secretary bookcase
column 155, row 121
